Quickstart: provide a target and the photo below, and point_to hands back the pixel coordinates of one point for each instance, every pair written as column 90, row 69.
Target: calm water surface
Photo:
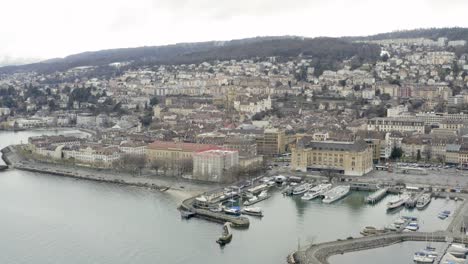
column 50, row 219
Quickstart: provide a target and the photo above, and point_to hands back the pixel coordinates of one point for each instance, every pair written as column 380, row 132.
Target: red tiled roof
column 187, row 147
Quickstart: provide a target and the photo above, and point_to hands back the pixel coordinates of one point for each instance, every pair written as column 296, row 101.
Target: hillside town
column 219, row 121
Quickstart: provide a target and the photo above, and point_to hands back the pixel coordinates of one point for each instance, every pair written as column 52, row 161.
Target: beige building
column 272, row 142
column 348, row 158
column 174, row 151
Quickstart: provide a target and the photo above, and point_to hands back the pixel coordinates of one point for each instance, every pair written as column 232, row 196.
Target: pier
column 219, row 217
column 377, row 196
column 319, row 253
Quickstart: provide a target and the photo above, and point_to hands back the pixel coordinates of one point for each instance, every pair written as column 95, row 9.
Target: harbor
column 126, row 212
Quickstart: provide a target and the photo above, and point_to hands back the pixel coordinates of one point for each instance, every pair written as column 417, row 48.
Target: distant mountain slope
column 329, row 50
column 455, row 33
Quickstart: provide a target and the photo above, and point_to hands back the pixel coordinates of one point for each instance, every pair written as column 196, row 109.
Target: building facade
column 348, row 158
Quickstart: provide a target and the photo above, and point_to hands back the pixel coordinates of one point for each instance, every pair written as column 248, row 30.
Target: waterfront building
column 348, row 158
column 215, row 165
column 176, row 157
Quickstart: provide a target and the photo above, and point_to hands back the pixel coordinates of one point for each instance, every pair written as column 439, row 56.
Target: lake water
column 51, row 219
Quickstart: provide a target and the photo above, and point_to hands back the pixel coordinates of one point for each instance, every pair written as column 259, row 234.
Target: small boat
column 226, row 236
column 397, row 202
column 444, row 214
column 316, row 191
column 458, row 250
column 336, row 193
column 254, row 211
column 423, row 201
column 234, row 210
column 262, row 196
column 423, row 257
column 413, row 226
column 302, row 188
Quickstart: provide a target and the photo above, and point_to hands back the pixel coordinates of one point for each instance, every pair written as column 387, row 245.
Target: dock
column 219, row 217
column 377, row 196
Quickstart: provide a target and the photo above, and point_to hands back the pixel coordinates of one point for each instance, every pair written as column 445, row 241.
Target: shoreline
column 181, row 186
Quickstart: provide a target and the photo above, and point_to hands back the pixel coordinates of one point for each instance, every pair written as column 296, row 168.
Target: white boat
column 255, row 211
column 302, row 188
column 423, row 201
column 336, row 193
column 449, row 258
column 423, row 257
column 263, row 194
column 251, row 200
column 316, row 191
column 413, row 226
column 458, row 250
column 397, row 202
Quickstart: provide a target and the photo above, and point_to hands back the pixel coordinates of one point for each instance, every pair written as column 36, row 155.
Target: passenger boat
column 302, row 188
column 226, row 236
column 336, row 193
column 316, row 191
column 423, row 201
column 397, row 202
column 254, row 211
column 423, row 257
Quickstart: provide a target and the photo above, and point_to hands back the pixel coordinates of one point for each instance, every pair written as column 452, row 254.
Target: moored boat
column 423, row 201
column 423, row 257
column 302, row 188
column 336, row 193
column 397, row 202
column 316, row 191
column 234, row 210
column 413, row 226
column 254, row 211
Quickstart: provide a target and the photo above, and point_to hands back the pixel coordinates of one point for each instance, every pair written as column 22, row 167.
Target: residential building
column 390, row 124
column 215, row 165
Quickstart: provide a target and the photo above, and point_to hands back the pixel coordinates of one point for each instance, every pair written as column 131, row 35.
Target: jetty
column 377, row 196
column 319, row 253
column 219, row 217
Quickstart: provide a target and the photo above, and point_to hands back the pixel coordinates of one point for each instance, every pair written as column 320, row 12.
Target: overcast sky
column 56, row 28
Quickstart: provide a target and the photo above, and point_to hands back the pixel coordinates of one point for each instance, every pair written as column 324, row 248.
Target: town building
column 215, row 165
column 395, row 124
column 348, row 158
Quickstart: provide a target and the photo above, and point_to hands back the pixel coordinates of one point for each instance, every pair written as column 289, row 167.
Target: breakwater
column 219, row 217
